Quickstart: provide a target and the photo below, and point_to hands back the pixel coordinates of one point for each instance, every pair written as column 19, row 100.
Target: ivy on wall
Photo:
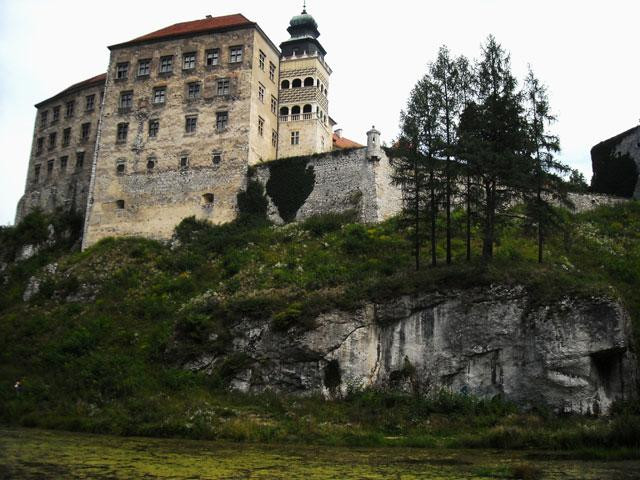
column 291, row 181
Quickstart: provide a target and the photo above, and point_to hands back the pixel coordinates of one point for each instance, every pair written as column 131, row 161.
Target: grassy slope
column 100, row 347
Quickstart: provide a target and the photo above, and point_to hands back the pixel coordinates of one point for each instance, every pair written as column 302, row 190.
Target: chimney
column 338, row 132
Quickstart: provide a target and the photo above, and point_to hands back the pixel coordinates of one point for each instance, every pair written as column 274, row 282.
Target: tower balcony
column 296, row 117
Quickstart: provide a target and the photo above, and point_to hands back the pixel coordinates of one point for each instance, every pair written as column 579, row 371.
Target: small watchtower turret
column 374, row 149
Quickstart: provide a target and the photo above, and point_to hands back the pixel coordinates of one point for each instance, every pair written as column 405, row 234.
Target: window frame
column 222, row 118
column 146, row 64
column 236, row 54
column 226, row 86
column 122, row 132
column 122, row 70
column 191, row 58
column 214, row 53
column 90, row 102
column 154, row 128
column 192, row 92
column 190, row 124
column 157, row 90
column 166, row 61
column 295, row 137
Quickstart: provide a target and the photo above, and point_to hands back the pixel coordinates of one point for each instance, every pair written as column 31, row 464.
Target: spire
column 304, row 7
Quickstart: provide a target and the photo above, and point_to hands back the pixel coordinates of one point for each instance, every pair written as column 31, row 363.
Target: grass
column 101, row 347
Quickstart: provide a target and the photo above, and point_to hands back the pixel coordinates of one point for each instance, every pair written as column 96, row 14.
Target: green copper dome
column 303, row 20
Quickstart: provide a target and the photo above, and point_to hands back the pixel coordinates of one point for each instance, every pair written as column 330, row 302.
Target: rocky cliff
column 575, row 355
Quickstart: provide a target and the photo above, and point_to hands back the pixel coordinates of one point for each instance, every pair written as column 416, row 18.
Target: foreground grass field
column 44, row 455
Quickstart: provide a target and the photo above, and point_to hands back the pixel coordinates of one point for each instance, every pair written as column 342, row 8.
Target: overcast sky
column 587, row 52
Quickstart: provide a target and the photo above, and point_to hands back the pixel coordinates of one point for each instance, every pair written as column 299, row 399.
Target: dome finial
column 304, row 7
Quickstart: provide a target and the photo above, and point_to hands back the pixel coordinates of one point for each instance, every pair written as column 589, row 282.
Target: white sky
column 587, row 52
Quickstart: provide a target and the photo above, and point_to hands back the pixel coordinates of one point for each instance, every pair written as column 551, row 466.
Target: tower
column 373, row 144
column 304, row 126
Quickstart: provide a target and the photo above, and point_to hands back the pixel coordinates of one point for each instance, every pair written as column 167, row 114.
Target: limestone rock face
column 575, row 355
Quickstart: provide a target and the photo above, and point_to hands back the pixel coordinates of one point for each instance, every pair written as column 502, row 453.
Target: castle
column 181, row 117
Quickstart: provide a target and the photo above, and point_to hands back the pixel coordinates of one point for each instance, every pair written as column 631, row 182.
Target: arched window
column 307, row 109
column 308, row 82
column 284, row 84
column 284, row 111
column 295, row 110
column 297, row 83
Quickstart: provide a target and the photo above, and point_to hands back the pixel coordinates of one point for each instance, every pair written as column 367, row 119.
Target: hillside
column 102, row 341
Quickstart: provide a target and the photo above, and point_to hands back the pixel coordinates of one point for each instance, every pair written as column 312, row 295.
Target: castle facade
column 181, row 116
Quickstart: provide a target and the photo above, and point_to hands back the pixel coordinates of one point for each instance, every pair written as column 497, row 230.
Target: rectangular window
column 39, row 145
column 166, row 64
column 66, row 137
column 123, row 129
column 52, row 140
column 193, row 91
column 274, row 138
column 260, row 126
column 235, row 54
column 126, row 100
column 189, row 61
column 274, row 104
column 216, row 157
column 43, row 118
column 63, row 163
column 295, row 138
column 222, row 119
column 261, row 92
column 213, row 57
column 122, row 70
column 70, row 107
column 36, row 174
column 86, row 129
column 159, row 94
column 272, row 72
column 261, row 58
column 144, row 67
column 184, row 161
column 154, row 126
column 190, row 124
column 90, row 103
column 50, row 167
column 79, row 160
column 223, row 86
column 56, row 114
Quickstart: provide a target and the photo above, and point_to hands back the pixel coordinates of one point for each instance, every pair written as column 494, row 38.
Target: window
column 39, row 145
column 36, row 174
column 274, row 104
column 90, row 103
column 144, row 67
column 66, row 137
column 159, row 94
column 52, row 140
column 285, row 84
column 295, row 110
column 223, row 86
column 193, row 91
column 189, row 61
column 213, row 57
column 126, row 100
column 260, row 126
column 272, row 72
column 166, row 64
column 190, row 124
column 274, row 138
column 261, row 92
column 79, row 160
column 184, row 162
column 70, row 107
column 49, row 167
column 122, row 70
column 216, row 158
column 284, row 111
column 120, row 167
column 297, row 83
column 308, row 82
column 120, row 204
column 43, row 118
column 261, row 58
column 222, row 118
column 154, row 126
column 207, row 200
column 84, row 133
column 151, row 164
column 307, row 108
column 123, row 129
column 295, row 138
column 63, row 163
column 235, row 54
column 56, row 114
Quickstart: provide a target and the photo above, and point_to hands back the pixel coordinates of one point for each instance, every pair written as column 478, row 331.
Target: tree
column 577, row 182
column 492, row 138
column 546, row 184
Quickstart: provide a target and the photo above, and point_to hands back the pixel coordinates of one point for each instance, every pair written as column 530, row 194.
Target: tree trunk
column 432, row 202
column 468, row 199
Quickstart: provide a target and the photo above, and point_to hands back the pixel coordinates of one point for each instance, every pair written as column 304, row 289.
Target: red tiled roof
column 90, row 82
column 195, row 26
column 342, row 143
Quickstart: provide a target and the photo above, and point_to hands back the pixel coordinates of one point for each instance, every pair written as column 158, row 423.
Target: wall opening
column 307, row 109
column 284, row 111
column 297, row 83
column 295, row 110
column 120, row 204
column 207, row 200
column 332, row 376
column 308, row 82
column 285, row 84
